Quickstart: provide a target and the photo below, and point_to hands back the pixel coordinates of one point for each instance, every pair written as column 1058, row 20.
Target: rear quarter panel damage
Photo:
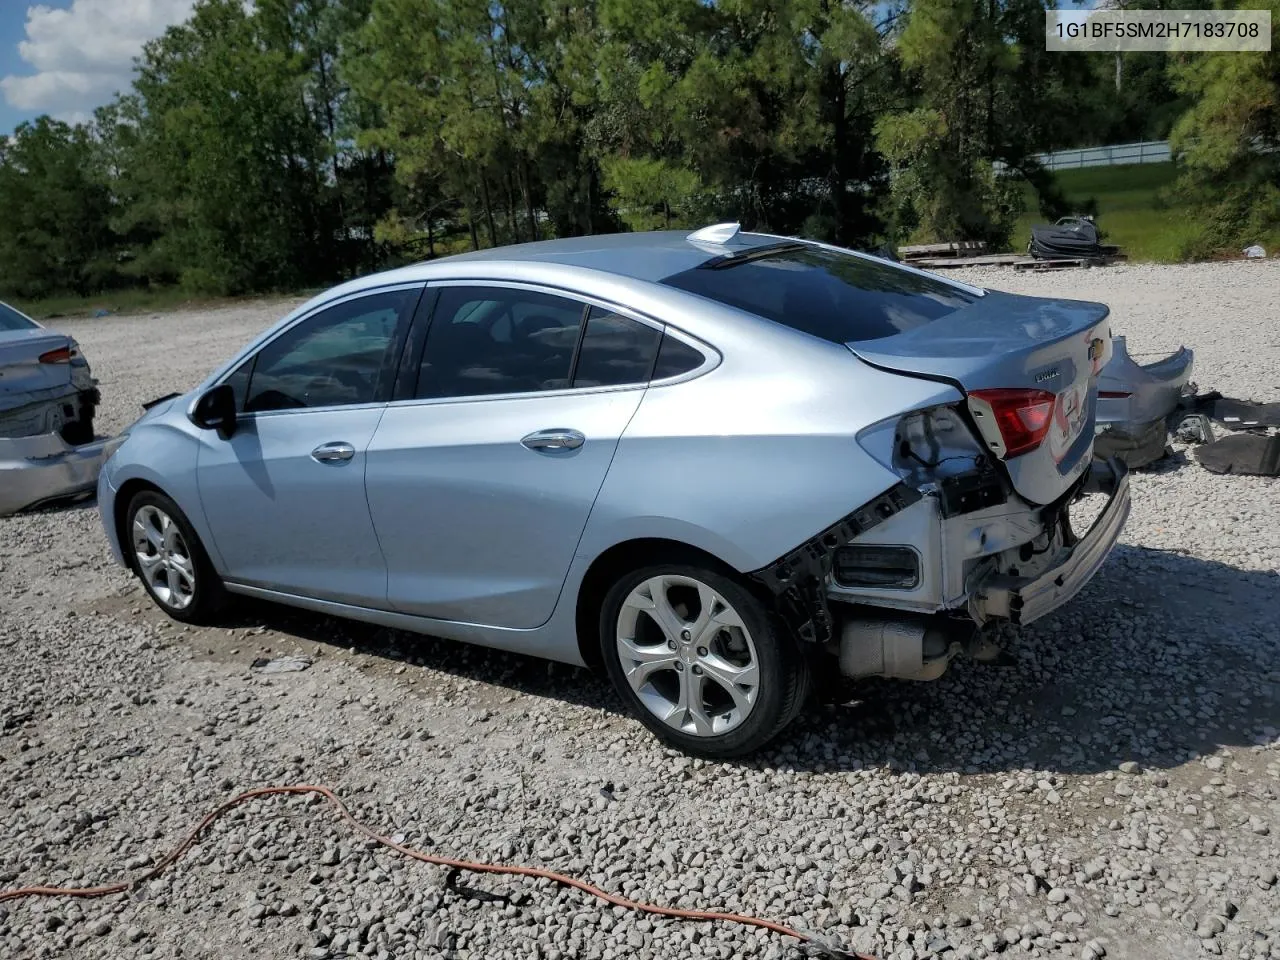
column 754, row 458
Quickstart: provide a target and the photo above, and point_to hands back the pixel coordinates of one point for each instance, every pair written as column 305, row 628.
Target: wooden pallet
column 958, row 248
column 957, row 263
column 1062, row 263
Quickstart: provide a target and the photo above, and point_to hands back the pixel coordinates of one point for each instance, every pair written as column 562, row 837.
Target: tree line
column 292, row 143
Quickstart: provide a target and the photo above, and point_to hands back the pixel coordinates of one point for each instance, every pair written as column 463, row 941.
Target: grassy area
column 1129, row 211
column 125, row 301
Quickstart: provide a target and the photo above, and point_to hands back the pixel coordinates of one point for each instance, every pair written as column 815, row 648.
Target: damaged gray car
column 48, row 397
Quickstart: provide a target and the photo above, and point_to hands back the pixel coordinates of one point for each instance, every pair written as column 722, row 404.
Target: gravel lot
column 1113, row 793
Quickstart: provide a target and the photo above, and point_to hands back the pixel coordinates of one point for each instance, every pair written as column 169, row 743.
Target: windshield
column 836, row 296
column 11, row 319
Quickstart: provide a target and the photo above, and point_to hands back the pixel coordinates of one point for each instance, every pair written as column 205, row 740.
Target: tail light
column 61, row 355
column 1022, row 417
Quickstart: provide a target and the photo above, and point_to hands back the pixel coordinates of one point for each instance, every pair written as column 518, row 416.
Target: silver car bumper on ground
column 1132, row 394
column 1136, row 402
column 1021, row 600
column 35, row 470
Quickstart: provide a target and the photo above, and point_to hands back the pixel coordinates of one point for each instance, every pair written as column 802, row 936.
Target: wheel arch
column 621, row 558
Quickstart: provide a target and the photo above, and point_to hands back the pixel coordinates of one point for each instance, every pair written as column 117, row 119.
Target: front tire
column 700, row 660
column 169, row 559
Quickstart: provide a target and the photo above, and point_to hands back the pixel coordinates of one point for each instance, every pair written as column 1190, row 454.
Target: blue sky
column 66, row 57
column 12, row 17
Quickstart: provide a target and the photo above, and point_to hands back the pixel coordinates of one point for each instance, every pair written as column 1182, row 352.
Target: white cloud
column 83, row 55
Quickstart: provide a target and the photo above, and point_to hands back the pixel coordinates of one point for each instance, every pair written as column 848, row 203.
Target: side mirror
column 216, row 410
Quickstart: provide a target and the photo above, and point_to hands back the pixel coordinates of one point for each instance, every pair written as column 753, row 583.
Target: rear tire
column 168, row 558
column 700, row 661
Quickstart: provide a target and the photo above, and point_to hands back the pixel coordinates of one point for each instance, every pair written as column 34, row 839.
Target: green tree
column 983, row 90
column 224, row 166
column 357, row 181
column 56, row 234
column 944, row 184
column 1229, row 142
column 755, row 109
column 290, row 143
column 483, row 107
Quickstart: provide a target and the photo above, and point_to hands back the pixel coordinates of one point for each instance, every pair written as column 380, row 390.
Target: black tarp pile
column 1071, row 238
column 1250, row 448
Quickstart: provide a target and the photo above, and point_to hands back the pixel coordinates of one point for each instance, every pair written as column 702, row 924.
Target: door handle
column 336, row 452
column 556, row 439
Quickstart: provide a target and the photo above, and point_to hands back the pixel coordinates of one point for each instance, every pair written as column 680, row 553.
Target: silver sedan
column 724, row 467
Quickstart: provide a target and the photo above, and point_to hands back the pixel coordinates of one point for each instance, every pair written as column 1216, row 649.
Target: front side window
column 835, row 296
column 340, row 356
column 491, row 340
column 239, row 381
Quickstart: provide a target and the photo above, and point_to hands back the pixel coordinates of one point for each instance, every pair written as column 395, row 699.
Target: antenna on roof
column 718, row 233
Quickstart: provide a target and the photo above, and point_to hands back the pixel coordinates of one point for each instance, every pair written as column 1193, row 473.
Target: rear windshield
column 11, row 319
column 835, row 296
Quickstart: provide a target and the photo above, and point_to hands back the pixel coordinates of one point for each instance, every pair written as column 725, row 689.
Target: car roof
column 618, row 268
column 648, row 256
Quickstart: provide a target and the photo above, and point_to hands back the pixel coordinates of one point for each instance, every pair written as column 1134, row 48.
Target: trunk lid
column 1003, row 342
column 22, row 373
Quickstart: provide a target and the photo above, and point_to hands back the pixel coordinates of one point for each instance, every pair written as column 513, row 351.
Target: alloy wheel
column 163, row 557
column 688, row 655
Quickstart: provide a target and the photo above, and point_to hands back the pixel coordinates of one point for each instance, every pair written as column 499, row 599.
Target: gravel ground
column 1111, row 794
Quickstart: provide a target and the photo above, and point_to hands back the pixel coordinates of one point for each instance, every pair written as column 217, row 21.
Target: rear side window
column 835, row 296
column 675, row 358
column 488, row 340
column 615, row 351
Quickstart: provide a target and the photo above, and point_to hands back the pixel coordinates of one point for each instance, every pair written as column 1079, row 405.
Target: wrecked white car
column 47, row 401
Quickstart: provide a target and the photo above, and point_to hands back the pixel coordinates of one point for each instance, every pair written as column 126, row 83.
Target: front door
column 284, row 497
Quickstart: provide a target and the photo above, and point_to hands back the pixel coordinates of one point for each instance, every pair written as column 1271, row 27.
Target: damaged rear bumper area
column 45, row 468
column 1021, row 600
column 48, row 451
column 932, row 571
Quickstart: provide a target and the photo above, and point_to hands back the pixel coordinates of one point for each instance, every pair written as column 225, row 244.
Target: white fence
column 1147, row 151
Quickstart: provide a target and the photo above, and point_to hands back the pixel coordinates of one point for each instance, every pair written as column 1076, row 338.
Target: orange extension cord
column 173, row 857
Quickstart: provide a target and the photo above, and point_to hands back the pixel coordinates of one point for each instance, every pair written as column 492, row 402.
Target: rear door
column 481, row 480
column 284, row 496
